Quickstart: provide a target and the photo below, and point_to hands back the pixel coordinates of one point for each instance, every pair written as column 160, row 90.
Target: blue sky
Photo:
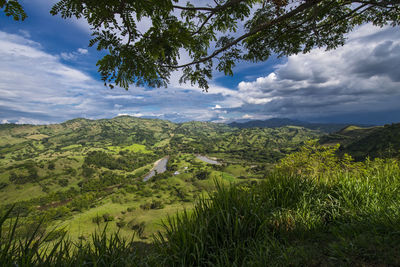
column 48, row 75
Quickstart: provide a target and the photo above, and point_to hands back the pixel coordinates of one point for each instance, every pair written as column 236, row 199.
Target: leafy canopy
column 13, row 8
column 216, row 35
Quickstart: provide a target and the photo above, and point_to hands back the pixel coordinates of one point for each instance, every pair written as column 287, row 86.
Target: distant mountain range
column 281, row 122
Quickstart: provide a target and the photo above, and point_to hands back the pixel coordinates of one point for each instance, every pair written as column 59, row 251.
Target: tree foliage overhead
column 13, row 8
column 226, row 30
column 214, row 35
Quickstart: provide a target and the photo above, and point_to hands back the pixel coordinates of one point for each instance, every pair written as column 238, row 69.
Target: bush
column 121, row 224
column 107, row 217
column 27, row 173
column 3, row 185
column 137, row 227
column 315, row 161
column 155, row 204
column 203, row 174
column 63, row 182
column 70, row 171
column 87, row 171
column 130, row 209
column 97, row 219
column 51, row 166
column 145, row 206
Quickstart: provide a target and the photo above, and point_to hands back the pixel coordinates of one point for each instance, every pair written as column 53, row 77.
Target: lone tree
column 216, row 35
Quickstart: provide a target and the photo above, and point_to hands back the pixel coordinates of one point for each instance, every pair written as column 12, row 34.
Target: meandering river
column 207, row 160
column 160, row 166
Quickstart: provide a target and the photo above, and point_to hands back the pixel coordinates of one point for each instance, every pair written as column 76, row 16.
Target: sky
column 48, row 74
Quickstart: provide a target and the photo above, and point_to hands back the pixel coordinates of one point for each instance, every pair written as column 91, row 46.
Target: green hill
column 381, row 141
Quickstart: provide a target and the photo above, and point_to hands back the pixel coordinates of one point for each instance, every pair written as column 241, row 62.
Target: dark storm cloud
column 383, row 61
column 359, row 78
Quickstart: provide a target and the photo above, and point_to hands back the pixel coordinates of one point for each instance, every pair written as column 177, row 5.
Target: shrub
column 97, row 219
column 203, row 174
column 51, row 166
column 87, row 171
column 137, row 227
column 107, row 217
column 70, row 171
column 121, row 224
column 315, row 161
column 130, row 209
column 145, row 206
column 3, row 185
column 63, row 182
column 155, row 204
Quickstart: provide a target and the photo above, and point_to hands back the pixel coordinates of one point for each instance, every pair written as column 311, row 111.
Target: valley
column 168, row 186
column 126, row 172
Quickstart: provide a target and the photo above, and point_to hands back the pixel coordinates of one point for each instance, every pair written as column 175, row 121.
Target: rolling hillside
column 382, row 141
column 73, row 172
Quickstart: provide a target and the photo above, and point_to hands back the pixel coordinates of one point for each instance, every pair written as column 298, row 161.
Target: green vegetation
column 345, row 217
column 313, row 208
column 133, row 148
column 373, row 142
column 277, row 195
column 238, row 30
column 68, row 173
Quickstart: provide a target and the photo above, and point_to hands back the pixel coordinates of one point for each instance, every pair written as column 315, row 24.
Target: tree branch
column 194, row 8
column 254, row 31
column 210, row 9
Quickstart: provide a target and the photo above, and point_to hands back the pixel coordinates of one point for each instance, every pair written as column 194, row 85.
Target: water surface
column 160, row 166
column 207, row 160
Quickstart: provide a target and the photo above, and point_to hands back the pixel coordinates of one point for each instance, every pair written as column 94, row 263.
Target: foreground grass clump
column 350, row 216
column 37, row 249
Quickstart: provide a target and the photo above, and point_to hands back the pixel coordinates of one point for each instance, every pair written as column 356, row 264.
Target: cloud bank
column 359, row 81
column 361, row 77
column 37, row 87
